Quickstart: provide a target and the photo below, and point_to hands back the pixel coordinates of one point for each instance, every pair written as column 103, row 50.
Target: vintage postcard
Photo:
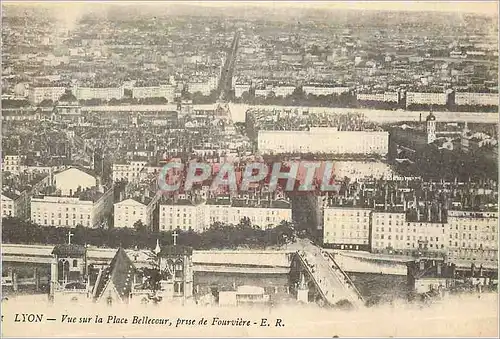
column 249, row 169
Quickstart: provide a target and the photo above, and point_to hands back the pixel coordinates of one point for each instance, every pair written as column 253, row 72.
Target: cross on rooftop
column 174, row 236
column 70, row 235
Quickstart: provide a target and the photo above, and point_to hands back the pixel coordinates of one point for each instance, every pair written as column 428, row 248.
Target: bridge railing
column 344, row 275
column 309, row 269
column 340, row 278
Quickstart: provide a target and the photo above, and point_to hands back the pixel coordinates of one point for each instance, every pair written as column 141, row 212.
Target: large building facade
column 187, row 215
column 347, row 228
column 323, row 140
column 462, row 236
column 71, row 211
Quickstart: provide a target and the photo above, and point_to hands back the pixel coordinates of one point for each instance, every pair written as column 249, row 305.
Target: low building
column 244, row 295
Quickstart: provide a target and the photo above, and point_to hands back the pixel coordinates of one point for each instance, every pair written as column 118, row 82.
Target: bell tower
column 430, row 128
column 176, row 267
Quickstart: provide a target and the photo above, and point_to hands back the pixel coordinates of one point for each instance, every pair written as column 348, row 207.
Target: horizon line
column 483, row 7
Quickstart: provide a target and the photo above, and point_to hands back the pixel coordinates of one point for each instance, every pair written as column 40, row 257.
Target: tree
column 139, row 226
column 46, row 103
column 245, row 223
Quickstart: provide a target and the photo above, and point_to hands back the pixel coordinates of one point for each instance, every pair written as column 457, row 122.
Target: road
column 225, row 83
column 334, row 284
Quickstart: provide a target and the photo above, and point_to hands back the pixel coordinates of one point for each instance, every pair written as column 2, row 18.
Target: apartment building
column 203, row 85
column 476, row 99
column 127, row 171
column 465, row 236
column 391, row 231
column 347, row 228
column 90, row 208
column 14, row 204
column 380, row 97
column 263, row 92
column 131, row 210
column 12, row 164
column 199, row 216
column 162, row 91
column 239, row 89
column 283, row 90
column 38, row 94
column 184, row 214
column 425, row 98
column 473, row 235
column 101, row 93
column 324, row 90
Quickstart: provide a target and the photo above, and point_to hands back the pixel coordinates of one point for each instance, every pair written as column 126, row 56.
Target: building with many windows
column 347, row 228
column 129, row 211
column 473, row 235
column 466, row 236
column 102, row 93
column 14, row 204
column 392, row 232
column 323, row 140
column 426, row 98
column 239, row 89
column 283, row 90
column 476, row 99
column 90, row 208
column 128, row 171
column 162, row 91
column 38, row 94
column 182, row 214
column 12, row 163
column 324, row 90
column 380, row 97
column 200, row 215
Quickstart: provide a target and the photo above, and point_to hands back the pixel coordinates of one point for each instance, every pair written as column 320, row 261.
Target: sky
column 479, row 7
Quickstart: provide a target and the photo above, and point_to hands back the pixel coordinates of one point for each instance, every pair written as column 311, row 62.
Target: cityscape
column 100, row 101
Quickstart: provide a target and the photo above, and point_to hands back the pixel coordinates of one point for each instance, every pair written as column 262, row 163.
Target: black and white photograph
column 289, row 169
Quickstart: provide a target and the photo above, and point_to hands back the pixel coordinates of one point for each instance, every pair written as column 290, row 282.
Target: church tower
column 176, row 265
column 430, row 128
